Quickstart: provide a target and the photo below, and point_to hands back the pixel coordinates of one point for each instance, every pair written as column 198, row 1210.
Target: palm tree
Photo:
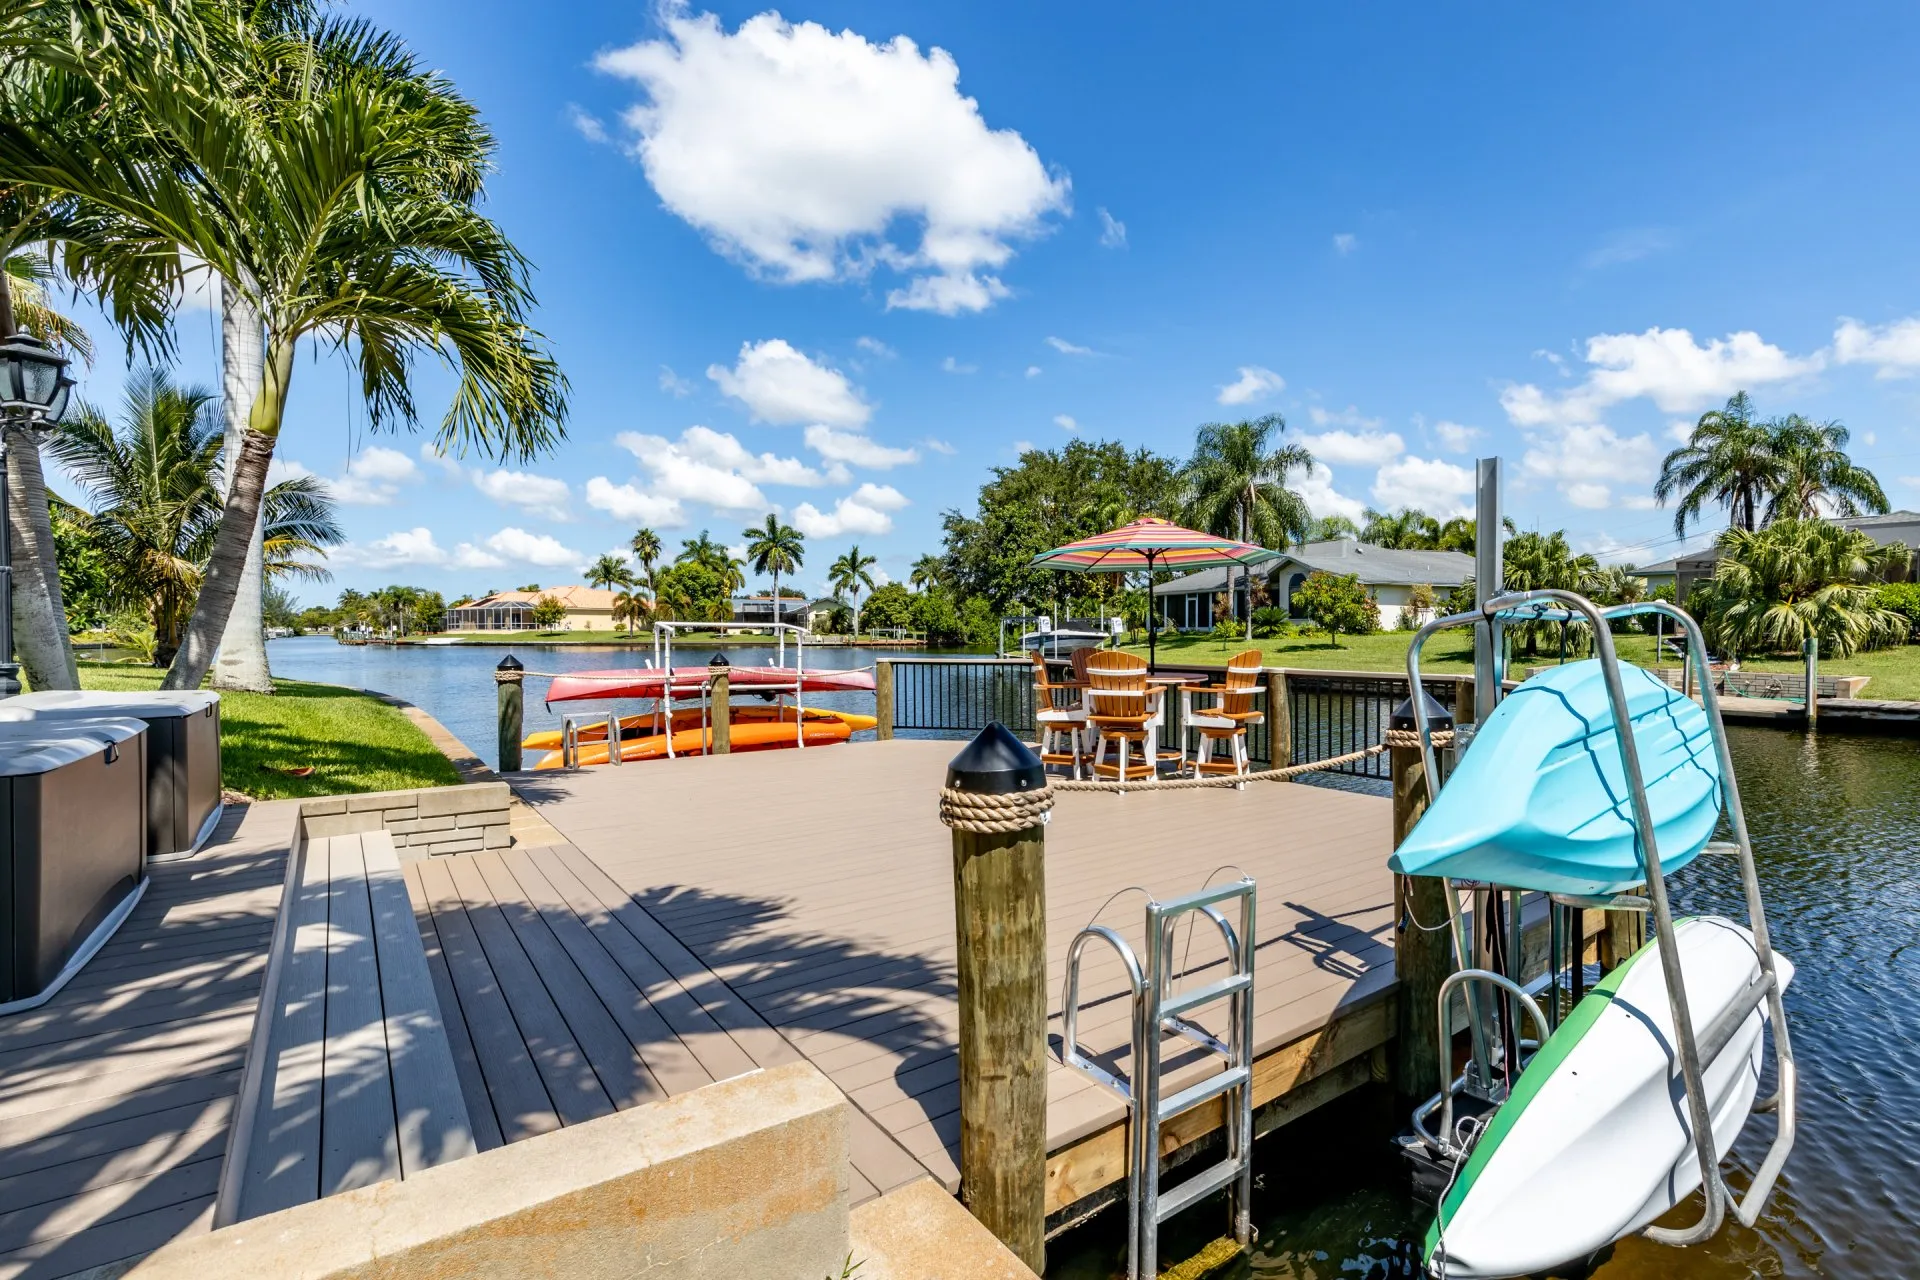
column 333, row 213
column 1236, row 484
column 608, row 572
column 928, row 572
column 646, row 549
column 1729, row 459
column 1815, row 473
column 849, row 573
column 1409, row 529
column 1535, row 561
column 631, row 606
column 776, row 548
column 1774, row 588
column 156, row 486
column 1332, row 529
column 703, row 550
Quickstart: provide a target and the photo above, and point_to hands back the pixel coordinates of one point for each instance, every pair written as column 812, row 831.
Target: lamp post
column 34, row 391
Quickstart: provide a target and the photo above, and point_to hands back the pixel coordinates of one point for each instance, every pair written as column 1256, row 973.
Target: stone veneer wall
column 423, row 823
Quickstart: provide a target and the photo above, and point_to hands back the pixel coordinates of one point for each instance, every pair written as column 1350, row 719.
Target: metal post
column 883, row 699
column 1000, row 926
column 9, row 669
column 507, row 677
column 1489, row 541
column 1812, row 652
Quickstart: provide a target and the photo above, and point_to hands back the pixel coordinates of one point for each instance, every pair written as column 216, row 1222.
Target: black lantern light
column 34, row 391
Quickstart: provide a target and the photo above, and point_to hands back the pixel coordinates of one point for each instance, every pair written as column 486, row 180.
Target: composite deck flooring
column 115, row 1096
column 816, row 887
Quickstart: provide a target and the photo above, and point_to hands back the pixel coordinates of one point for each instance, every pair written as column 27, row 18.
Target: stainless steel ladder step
column 1158, row 1012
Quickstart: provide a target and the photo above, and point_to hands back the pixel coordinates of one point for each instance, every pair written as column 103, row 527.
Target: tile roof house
column 588, row 609
column 1896, row 526
column 1188, row 602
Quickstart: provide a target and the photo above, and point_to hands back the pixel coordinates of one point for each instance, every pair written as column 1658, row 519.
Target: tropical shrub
column 1229, row 630
column 1902, row 598
column 1418, row 608
column 889, row 606
column 1777, row 586
column 1270, row 622
column 934, row 612
column 1337, row 603
column 548, row 613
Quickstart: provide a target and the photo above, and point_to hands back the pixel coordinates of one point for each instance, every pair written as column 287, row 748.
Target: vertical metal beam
column 1489, row 542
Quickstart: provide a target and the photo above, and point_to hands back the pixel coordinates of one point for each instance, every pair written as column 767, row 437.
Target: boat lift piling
column 507, row 678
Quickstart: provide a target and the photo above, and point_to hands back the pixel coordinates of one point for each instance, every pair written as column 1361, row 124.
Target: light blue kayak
column 1539, row 801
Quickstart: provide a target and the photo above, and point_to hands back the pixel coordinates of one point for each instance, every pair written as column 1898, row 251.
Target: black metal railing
column 962, row 695
column 1338, row 715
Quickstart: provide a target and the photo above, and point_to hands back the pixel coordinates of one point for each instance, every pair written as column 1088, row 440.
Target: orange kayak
column 764, row 736
column 648, row 723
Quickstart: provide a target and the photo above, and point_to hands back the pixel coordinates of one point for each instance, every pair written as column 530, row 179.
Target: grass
column 354, row 742
column 1895, row 673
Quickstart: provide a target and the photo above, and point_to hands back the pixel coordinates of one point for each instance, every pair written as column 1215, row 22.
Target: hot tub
column 183, row 756
column 73, row 809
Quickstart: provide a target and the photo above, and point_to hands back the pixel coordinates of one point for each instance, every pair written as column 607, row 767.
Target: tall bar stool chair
column 1222, row 724
column 1058, row 714
column 1121, row 712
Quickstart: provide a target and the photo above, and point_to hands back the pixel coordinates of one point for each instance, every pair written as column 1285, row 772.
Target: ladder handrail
column 1070, row 1008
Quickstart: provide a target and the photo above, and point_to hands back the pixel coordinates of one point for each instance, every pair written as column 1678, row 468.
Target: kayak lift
column 1487, row 951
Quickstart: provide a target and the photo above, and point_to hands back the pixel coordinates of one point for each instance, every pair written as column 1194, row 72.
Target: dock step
column 1158, row 1012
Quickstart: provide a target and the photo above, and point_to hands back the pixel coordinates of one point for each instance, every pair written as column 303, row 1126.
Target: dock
column 683, row 924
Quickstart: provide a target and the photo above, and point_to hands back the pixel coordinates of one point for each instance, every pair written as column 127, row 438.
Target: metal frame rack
column 1158, row 1011
column 1479, row 1080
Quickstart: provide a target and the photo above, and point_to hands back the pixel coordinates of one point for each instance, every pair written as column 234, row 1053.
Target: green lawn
column 1895, row 673
column 354, row 742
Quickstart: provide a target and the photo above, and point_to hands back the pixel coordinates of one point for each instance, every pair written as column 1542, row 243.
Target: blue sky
column 787, row 261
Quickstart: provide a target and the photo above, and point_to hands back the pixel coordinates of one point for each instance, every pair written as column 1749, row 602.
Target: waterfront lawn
column 1895, row 673
column 353, row 741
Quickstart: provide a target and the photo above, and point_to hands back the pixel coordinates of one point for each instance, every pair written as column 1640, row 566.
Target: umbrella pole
column 1153, row 622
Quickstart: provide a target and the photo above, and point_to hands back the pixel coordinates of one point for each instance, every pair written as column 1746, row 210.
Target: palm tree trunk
column 776, row 601
column 39, row 614
column 238, row 520
column 242, row 660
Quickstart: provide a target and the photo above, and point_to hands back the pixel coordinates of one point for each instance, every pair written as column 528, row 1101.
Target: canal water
column 1836, row 828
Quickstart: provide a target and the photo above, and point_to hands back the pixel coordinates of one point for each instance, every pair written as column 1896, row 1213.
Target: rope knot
column 995, row 814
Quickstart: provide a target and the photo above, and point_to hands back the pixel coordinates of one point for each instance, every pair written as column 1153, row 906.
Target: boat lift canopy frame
column 1567, row 606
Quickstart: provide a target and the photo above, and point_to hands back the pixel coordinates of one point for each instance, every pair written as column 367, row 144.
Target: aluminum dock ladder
column 1159, row 1011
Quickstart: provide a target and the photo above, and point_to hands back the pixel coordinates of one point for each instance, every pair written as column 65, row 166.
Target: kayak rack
column 663, row 633
column 1159, row 1011
column 1693, row 1048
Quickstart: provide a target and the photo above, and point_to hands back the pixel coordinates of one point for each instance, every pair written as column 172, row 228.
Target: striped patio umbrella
column 1151, row 543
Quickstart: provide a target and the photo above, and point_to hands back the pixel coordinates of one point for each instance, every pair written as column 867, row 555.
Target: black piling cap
column 510, row 663
column 996, row 763
column 1438, row 717
column 719, row 660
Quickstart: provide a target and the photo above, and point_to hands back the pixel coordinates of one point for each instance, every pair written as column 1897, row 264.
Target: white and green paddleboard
column 1594, row 1144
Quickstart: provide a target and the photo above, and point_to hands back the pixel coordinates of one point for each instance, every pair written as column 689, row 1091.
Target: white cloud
column 517, row 546
column 1255, row 382
column 403, row 547
column 940, row 447
column 1065, row 422
column 1591, row 497
column 1033, row 371
column 1894, row 348
column 673, row 384
column 1585, row 461
column 278, row 470
column 1066, row 348
column 873, row 346
column 1455, row 437
column 448, row 466
column 1021, row 447
column 859, row 450
column 1665, row 366
column 865, row 510
column 1360, row 448
column 1345, row 243
column 782, row 386
column 533, row 494
column 712, row 467
column 1323, row 499
column 625, row 502
column 1436, row 487
column 1639, row 502
column 951, row 365
column 373, row 478
column 588, row 125
column 1347, row 417
column 1113, row 232
column 795, row 149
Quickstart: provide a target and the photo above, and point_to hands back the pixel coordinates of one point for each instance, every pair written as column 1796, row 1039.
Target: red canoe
column 650, row 682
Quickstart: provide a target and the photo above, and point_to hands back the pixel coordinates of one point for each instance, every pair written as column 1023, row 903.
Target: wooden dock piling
column 722, row 713
column 995, row 802
column 1280, row 717
column 1422, row 951
column 883, row 699
column 506, row 678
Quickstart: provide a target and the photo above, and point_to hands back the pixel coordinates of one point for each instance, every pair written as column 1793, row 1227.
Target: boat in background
column 1541, row 798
